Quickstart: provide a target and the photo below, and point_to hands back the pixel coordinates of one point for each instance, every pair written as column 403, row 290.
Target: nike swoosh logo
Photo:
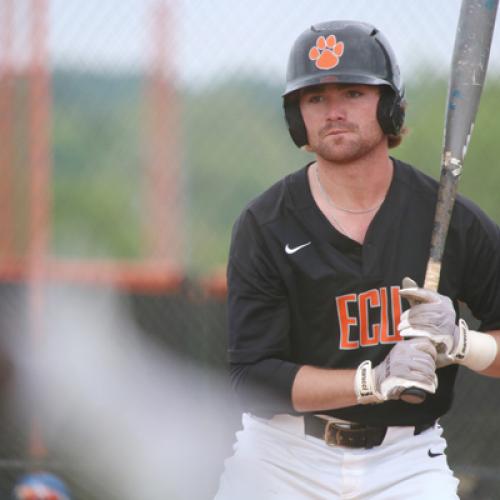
column 289, row 250
column 432, row 455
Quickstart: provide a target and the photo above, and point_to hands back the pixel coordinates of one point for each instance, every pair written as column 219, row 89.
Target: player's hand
column 411, row 363
column 433, row 316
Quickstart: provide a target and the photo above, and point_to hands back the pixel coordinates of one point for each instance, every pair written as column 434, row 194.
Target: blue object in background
column 40, row 486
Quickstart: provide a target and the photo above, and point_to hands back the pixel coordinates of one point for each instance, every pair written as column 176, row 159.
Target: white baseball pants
column 274, row 459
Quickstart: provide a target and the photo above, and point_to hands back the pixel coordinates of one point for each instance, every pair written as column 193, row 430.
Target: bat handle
column 432, row 274
column 413, row 395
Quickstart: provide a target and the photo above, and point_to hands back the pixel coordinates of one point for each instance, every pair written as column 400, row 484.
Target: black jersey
column 300, row 292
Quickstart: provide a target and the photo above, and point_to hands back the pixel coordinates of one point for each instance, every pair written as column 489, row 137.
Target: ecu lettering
column 354, row 312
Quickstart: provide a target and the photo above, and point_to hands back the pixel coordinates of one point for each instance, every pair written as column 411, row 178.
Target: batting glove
column 433, row 316
column 411, row 363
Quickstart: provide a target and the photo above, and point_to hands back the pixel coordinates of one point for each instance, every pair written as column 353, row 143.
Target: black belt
column 350, row 434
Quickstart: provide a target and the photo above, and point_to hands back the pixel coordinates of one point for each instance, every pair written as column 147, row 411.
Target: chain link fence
column 155, row 122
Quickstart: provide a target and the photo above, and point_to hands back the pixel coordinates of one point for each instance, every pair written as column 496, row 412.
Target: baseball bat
column 468, row 71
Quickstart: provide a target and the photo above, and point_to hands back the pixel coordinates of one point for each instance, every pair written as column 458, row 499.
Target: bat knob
column 413, row 395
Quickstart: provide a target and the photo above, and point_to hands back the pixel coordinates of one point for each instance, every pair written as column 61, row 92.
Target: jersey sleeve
column 481, row 286
column 258, row 323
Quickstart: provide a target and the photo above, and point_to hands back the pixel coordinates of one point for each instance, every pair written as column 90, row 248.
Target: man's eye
column 316, row 98
column 354, row 93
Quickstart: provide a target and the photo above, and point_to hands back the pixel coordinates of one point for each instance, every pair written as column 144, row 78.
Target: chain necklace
column 334, row 205
column 336, row 223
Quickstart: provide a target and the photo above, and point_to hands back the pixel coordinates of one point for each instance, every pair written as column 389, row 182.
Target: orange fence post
column 6, row 130
column 40, row 173
column 163, row 218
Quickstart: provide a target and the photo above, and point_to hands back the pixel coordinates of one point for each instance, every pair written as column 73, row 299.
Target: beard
column 346, row 147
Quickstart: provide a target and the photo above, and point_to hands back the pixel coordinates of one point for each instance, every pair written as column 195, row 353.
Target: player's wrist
column 365, row 386
column 475, row 350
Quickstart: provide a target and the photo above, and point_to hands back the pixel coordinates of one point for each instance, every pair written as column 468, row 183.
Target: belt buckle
column 330, row 432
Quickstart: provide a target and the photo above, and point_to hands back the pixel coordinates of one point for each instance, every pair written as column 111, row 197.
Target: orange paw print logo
column 327, row 52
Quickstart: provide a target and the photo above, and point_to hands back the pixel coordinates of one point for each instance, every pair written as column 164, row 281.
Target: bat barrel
column 469, row 64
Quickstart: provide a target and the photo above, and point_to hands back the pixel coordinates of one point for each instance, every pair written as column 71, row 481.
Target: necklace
column 336, row 223
column 334, row 205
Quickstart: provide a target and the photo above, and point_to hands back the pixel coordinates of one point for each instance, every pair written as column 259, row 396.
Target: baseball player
column 323, row 343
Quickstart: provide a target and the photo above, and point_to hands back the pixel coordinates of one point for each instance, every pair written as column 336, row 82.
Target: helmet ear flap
column 390, row 111
column 294, row 120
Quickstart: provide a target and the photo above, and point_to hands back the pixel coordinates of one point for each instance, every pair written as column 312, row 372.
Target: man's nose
column 336, row 110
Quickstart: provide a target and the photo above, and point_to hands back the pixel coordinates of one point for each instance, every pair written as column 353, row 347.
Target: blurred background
column 132, row 133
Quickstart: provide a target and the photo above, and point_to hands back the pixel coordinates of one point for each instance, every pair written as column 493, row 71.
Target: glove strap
column 475, row 350
column 364, row 385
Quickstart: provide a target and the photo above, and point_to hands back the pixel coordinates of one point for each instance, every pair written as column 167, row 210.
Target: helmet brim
column 314, row 80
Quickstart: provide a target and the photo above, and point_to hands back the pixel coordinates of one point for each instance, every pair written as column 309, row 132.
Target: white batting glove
column 432, row 316
column 411, row 363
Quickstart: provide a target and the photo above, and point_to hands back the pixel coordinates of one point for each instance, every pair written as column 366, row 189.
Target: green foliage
column 424, row 121
column 97, row 145
column 235, row 145
column 426, row 116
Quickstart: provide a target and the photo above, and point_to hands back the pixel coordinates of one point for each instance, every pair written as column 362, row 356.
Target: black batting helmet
column 343, row 52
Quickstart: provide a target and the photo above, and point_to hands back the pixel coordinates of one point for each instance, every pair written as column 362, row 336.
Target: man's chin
column 341, row 150
column 339, row 155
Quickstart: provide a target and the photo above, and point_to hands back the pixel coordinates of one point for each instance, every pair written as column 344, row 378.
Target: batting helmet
column 40, row 486
column 343, row 52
